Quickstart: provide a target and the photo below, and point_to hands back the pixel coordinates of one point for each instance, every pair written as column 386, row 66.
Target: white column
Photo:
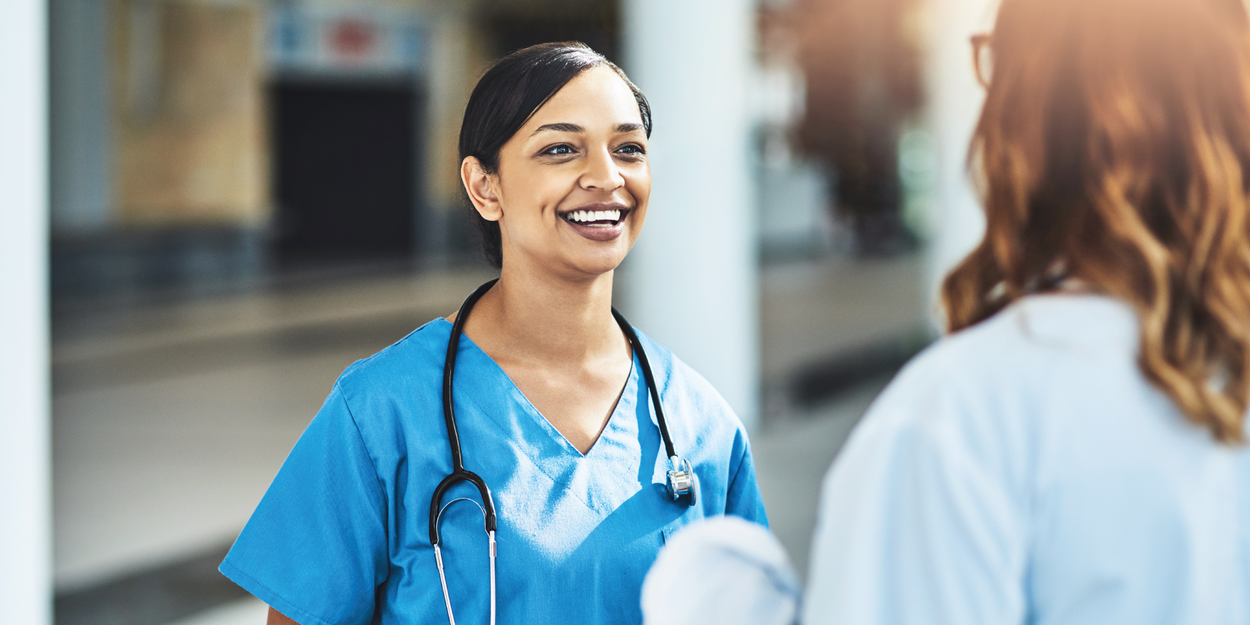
column 25, row 544
column 692, row 280
column 450, row 71
column 81, row 166
column 954, row 99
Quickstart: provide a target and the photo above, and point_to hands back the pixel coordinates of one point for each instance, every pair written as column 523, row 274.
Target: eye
column 560, row 149
column 631, row 149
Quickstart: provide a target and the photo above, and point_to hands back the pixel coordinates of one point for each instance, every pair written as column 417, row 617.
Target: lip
column 598, row 233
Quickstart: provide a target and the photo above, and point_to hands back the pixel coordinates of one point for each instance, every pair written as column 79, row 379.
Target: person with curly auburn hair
column 1074, row 450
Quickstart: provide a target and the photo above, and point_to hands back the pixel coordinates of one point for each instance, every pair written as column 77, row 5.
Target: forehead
column 596, row 98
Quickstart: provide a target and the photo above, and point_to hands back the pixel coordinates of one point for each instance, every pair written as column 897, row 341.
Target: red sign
column 352, row 38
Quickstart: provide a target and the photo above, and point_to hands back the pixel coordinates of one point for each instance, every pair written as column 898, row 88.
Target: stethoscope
column 681, row 478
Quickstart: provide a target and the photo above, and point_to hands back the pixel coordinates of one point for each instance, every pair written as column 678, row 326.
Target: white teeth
column 585, row 216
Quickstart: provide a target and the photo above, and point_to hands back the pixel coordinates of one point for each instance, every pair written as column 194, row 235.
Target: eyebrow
column 567, row 127
column 559, row 127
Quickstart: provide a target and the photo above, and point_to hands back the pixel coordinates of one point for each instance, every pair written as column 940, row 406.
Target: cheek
column 639, row 186
column 528, row 196
column 547, row 186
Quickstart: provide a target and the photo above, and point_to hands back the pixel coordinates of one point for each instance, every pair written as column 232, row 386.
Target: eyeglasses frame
column 981, row 43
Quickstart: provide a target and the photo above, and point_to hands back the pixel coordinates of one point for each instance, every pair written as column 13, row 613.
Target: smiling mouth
column 596, row 218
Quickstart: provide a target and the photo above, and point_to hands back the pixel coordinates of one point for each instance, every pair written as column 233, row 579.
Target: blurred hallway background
column 245, row 196
column 171, row 418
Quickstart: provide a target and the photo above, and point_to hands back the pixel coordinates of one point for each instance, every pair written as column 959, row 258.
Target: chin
column 598, row 268
column 598, row 264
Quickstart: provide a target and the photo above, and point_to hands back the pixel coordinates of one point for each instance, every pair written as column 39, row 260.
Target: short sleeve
column 743, row 499
column 914, row 528
column 315, row 549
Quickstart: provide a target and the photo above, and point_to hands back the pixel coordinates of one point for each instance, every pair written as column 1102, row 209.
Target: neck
column 539, row 316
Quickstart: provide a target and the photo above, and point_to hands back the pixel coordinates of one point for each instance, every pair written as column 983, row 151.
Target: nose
column 602, row 172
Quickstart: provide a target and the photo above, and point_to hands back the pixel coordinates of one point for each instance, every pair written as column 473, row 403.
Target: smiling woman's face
column 571, row 190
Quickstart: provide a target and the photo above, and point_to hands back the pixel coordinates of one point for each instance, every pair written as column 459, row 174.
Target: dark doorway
column 344, row 169
column 515, row 25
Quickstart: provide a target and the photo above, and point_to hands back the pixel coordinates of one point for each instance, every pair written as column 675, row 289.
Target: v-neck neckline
column 625, row 402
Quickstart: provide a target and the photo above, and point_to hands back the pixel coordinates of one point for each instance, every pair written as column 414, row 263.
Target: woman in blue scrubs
column 552, row 407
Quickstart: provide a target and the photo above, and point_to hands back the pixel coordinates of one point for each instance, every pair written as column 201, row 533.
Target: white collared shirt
column 1024, row 471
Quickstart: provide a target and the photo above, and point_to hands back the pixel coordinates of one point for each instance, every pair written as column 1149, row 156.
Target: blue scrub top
column 342, row 535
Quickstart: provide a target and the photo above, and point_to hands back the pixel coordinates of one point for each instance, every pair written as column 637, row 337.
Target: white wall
column 692, row 280
column 954, row 100
column 81, row 167
column 25, row 550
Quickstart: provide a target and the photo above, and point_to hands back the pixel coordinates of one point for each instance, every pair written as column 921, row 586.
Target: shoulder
column 674, row 377
column 690, row 401
column 391, row 399
column 417, row 356
column 1000, row 393
column 377, row 390
column 1039, row 344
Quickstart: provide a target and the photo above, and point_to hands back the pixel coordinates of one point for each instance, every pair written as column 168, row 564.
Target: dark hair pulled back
column 506, row 97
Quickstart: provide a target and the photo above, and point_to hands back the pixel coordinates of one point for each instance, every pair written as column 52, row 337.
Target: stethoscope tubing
column 460, row 474
column 654, row 390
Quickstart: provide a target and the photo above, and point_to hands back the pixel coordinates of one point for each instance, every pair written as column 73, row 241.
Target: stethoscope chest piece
column 682, row 481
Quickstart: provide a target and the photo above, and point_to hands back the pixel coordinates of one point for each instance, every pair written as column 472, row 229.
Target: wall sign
column 344, row 40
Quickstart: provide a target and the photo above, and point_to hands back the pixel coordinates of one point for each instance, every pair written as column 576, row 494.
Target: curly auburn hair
column 1114, row 149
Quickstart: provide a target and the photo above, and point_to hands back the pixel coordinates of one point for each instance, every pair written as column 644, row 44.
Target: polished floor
column 171, row 417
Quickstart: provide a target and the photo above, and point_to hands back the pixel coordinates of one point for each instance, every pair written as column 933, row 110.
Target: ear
column 481, row 189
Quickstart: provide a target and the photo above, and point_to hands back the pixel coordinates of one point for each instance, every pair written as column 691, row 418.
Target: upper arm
column 316, row 548
column 743, row 498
